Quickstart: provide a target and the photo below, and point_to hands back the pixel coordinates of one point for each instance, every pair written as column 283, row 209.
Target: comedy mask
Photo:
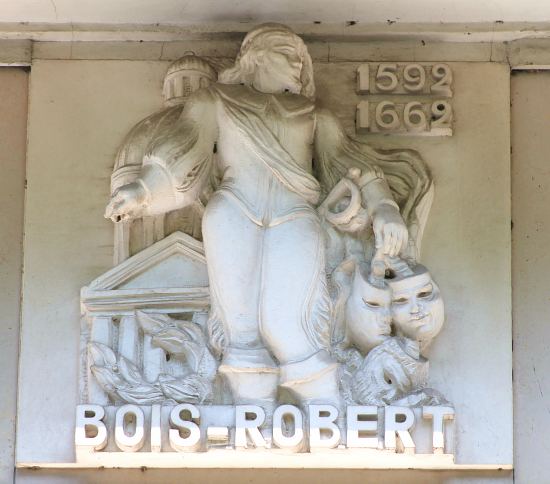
column 417, row 307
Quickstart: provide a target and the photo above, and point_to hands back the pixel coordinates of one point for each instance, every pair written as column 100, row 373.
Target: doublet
column 247, row 178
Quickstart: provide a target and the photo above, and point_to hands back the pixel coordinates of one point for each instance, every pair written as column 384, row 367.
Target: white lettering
column 295, row 441
column 365, row 427
column 155, row 429
column 129, row 428
column 192, row 440
column 357, row 426
column 393, row 426
column 438, row 414
column 321, row 422
column 248, row 419
column 90, row 432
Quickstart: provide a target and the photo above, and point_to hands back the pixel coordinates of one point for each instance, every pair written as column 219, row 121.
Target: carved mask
column 368, row 315
column 417, row 307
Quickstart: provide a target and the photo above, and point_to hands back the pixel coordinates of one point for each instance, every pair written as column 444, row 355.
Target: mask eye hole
column 371, row 304
column 426, row 292
column 400, row 300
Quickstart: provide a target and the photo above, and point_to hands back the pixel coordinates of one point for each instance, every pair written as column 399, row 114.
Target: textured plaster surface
column 530, row 266
column 13, row 122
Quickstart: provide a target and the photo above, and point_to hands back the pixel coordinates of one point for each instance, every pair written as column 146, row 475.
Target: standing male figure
column 270, row 307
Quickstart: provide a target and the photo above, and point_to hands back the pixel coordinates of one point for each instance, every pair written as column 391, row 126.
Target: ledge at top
column 493, row 31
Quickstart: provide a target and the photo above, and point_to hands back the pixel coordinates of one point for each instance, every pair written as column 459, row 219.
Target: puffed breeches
column 267, row 280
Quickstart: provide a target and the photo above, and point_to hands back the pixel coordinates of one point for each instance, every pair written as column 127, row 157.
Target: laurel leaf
column 129, row 371
column 208, row 365
column 192, row 330
column 195, row 343
column 171, row 340
column 192, row 389
column 180, row 344
column 143, row 394
column 101, row 354
column 108, row 379
column 153, row 323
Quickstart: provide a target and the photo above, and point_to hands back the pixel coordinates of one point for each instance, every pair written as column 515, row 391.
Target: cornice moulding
column 451, row 32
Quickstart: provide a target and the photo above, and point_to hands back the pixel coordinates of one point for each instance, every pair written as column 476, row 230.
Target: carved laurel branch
column 185, row 340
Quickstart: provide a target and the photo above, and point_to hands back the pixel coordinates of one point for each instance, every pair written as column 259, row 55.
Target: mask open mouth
column 420, row 319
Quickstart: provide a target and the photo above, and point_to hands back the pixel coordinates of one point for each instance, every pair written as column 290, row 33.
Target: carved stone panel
column 278, row 285
column 302, row 308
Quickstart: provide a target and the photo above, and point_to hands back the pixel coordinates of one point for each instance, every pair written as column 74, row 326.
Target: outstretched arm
column 176, row 166
column 335, row 155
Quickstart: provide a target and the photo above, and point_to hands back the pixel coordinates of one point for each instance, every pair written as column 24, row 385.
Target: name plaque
column 190, row 428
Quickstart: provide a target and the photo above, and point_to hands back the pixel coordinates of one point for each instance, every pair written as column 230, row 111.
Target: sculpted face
column 417, row 307
column 368, row 315
column 272, row 59
column 278, row 67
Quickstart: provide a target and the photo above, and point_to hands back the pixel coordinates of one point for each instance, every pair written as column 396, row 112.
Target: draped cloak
column 185, row 151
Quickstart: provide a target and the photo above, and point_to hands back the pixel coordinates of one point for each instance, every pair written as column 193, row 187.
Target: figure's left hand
column 390, row 232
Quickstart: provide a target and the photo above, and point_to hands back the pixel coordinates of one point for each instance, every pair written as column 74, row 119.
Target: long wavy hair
column 260, row 39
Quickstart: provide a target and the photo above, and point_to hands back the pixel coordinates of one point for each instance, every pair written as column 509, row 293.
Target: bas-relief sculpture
column 311, row 241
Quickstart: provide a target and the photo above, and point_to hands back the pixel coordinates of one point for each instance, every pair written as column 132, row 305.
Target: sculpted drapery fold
column 178, row 164
column 405, row 172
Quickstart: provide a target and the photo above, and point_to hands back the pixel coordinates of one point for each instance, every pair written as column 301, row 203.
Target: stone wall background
column 13, row 123
column 531, row 266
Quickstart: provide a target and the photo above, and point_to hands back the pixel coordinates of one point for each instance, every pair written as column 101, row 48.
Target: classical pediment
column 176, row 261
column 173, row 268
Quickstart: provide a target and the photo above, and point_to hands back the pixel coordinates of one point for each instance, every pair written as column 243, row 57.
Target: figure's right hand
column 127, row 202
